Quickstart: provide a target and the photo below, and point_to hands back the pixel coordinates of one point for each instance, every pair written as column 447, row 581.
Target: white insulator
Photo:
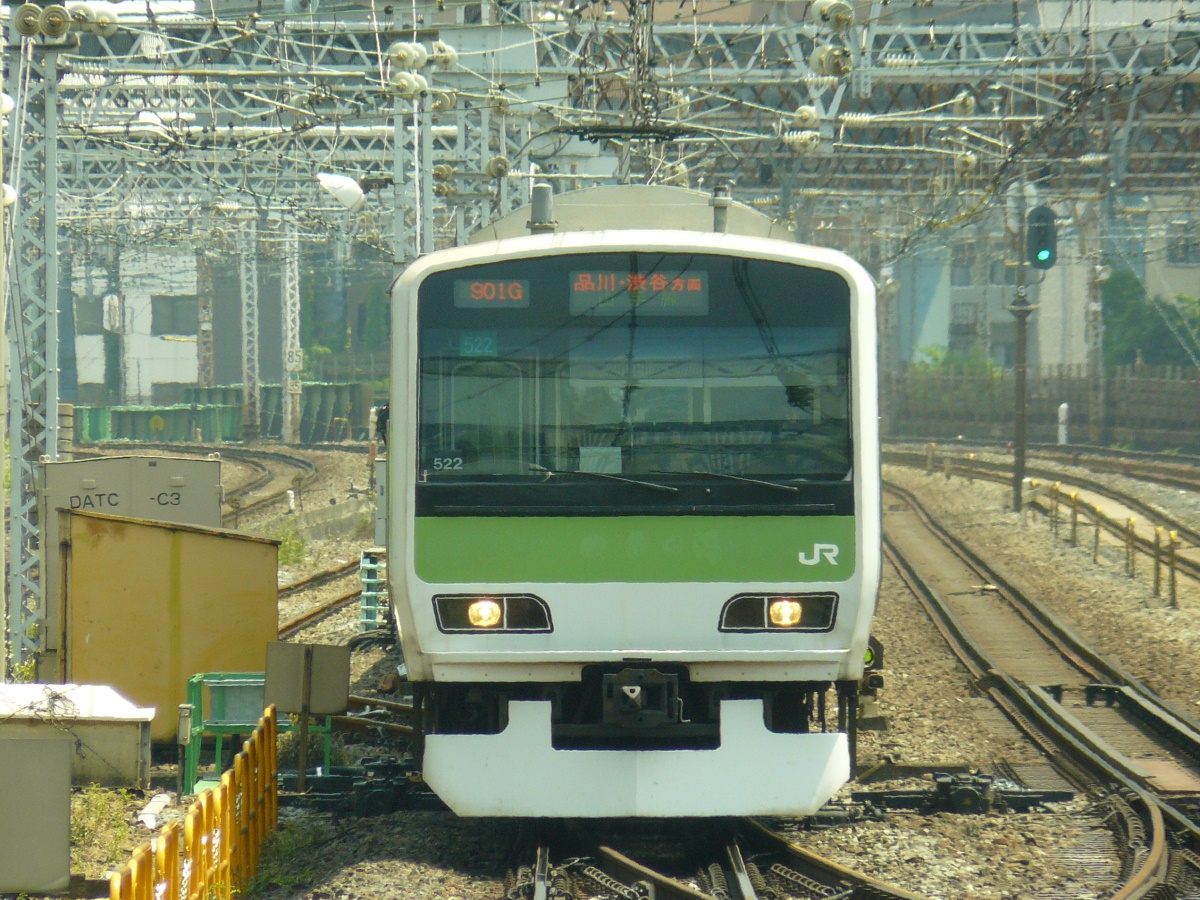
column 405, row 55
column 802, row 141
column 25, row 19
column 837, row 14
column 819, row 82
column 965, row 163
column 764, row 202
column 409, row 84
column 444, row 56
column 856, row 119
column 8, row 195
column 899, row 61
column 497, row 167
column 82, row 15
column 444, row 101
column 831, row 61
column 300, row 7
column 964, row 104
column 806, row 117
column 678, row 106
column 106, row 22
column 7, row 104
column 54, row 21
column 444, row 172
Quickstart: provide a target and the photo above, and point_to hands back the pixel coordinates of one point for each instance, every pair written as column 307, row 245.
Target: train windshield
column 626, row 372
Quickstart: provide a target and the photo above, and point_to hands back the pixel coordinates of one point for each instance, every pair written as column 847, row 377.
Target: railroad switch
column 965, row 795
column 1110, row 692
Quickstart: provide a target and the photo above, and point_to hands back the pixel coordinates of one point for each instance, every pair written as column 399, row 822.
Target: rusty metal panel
column 149, row 604
column 163, row 488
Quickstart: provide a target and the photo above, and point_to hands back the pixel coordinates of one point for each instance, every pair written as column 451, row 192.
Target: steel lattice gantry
column 921, row 116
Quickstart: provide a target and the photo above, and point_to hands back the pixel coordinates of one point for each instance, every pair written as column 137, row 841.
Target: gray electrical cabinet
column 184, row 490
column 35, row 814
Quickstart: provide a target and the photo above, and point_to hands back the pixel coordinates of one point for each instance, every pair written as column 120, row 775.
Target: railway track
column 742, row 860
column 240, row 500
column 1055, row 496
column 1106, row 731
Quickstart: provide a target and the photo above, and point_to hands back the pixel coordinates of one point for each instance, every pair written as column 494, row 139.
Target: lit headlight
column 780, row 612
column 784, row 612
column 491, row 613
column 484, row 613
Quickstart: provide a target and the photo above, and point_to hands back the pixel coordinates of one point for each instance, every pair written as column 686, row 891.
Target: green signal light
column 1043, row 255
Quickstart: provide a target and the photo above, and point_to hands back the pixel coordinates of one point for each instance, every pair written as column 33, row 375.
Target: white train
column 634, row 516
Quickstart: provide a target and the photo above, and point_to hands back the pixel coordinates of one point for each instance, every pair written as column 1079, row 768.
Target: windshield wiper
column 791, row 489
column 534, row 467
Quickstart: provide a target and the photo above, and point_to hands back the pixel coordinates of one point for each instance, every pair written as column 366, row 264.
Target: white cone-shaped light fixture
column 344, row 188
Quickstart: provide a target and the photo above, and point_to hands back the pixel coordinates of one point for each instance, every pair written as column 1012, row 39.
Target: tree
column 1164, row 331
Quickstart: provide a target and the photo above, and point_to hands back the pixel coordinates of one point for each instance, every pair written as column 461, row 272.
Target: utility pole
column 1021, row 310
column 248, row 269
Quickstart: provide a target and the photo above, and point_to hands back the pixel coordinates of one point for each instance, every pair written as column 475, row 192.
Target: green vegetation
column 23, row 673
column 290, row 861
column 289, row 750
column 291, row 546
column 940, row 360
column 1135, row 327
column 101, row 838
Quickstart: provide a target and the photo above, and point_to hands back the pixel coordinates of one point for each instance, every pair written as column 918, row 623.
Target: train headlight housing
column 780, row 612
column 784, row 612
column 491, row 614
column 485, row 613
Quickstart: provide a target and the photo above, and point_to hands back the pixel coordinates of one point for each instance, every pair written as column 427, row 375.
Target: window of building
column 1001, row 272
column 89, row 315
column 1183, row 244
column 962, row 265
column 174, row 314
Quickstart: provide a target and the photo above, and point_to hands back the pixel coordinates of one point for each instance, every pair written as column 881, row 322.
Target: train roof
column 638, row 206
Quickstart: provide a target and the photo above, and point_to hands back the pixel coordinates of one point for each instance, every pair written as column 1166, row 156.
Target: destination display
column 608, row 293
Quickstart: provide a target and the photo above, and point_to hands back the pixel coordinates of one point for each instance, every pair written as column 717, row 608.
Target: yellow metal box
column 149, row 604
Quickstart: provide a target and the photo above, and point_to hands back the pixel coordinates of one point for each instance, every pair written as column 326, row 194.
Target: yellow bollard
column 1074, row 518
column 1130, row 549
column 1096, row 538
column 1172, row 545
column 120, row 884
column 1158, row 560
column 166, row 862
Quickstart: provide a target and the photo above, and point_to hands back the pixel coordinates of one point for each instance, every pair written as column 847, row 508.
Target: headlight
column 784, row 612
column 491, row 613
column 780, row 612
column 484, row 613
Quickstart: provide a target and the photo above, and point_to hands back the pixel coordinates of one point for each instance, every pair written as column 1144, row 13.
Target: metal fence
column 1154, row 407
column 213, row 852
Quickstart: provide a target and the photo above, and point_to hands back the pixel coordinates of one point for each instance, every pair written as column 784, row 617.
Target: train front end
column 635, row 497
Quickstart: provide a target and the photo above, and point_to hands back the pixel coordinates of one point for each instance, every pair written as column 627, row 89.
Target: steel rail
column 1000, row 473
column 836, row 879
column 317, row 577
column 291, row 626
column 1090, row 756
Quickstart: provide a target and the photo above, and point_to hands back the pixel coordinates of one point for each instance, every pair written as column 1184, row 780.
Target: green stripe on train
column 634, row 548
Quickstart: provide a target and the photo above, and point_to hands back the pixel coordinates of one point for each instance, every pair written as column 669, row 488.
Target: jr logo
column 828, row 551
